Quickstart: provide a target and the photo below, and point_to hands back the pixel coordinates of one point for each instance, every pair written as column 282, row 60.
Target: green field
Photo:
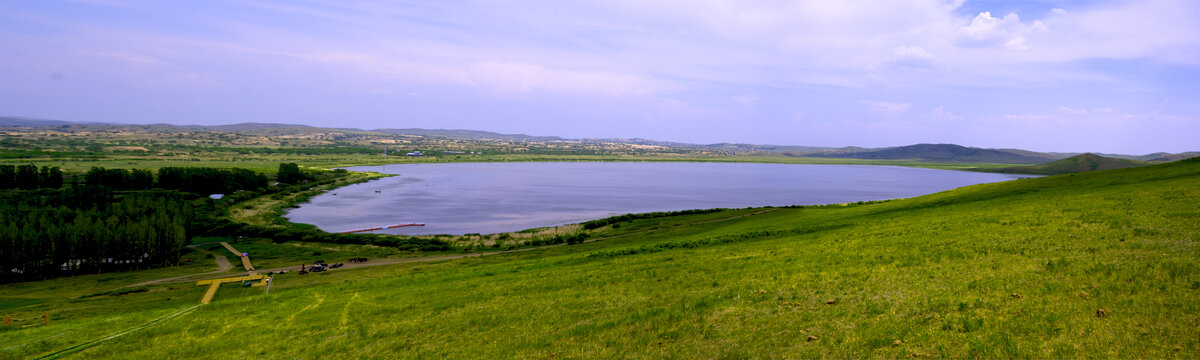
column 1101, row 264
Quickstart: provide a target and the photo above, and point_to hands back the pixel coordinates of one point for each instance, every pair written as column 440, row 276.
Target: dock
column 380, row 228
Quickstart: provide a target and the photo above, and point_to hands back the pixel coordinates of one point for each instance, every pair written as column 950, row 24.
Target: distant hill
column 1166, row 157
column 919, row 152
column 942, row 153
column 1076, row 164
column 244, row 126
column 467, row 134
column 14, row 121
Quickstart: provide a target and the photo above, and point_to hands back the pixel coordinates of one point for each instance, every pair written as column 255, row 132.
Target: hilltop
column 1075, row 164
column 943, row 153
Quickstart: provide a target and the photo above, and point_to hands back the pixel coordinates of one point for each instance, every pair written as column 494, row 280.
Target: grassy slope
column 1015, row 269
column 1075, row 164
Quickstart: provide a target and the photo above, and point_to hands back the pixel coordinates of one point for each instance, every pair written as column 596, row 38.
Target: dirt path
column 223, row 265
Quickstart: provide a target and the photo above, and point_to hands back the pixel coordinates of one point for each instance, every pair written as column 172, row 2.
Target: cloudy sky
column 1041, row 75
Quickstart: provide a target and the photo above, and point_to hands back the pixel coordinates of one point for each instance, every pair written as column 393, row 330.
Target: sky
column 1070, row 76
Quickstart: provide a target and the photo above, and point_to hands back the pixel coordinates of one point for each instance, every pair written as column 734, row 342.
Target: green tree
column 50, row 177
column 289, row 173
column 27, row 177
column 8, row 176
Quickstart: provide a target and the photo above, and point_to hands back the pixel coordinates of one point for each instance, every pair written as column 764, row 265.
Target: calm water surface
column 464, row 198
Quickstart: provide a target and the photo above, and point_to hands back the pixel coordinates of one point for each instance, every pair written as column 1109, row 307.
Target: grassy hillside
column 1075, row 164
column 1100, row 264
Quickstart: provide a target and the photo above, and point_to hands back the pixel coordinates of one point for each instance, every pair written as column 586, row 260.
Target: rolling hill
column 1075, row 164
column 468, row 134
column 942, row 153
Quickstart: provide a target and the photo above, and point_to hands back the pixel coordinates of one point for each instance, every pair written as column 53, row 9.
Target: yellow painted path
column 215, row 284
column 245, row 259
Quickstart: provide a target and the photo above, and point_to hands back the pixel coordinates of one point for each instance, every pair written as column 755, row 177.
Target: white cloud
column 747, row 100
column 515, row 77
column 1069, row 111
column 910, row 58
column 887, row 109
column 1160, row 30
column 941, row 114
column 987, row 31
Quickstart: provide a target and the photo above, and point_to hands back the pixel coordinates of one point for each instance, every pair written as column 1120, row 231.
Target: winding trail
column 223, row 264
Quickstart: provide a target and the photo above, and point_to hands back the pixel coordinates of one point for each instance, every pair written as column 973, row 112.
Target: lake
column 463, row 198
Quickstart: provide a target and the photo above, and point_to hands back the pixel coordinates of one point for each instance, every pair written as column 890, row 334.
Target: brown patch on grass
column 128, row 148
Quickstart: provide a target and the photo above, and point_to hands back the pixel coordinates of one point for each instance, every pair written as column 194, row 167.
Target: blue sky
column 1041, row 75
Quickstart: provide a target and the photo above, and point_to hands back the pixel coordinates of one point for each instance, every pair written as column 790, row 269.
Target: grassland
column 1101, row 264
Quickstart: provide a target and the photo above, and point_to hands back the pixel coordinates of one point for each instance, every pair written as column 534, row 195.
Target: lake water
column 462, row 198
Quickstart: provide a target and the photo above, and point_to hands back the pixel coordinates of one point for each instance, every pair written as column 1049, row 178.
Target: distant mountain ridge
column 917, row 152
column 246, row 126
column 17, row 121
column 467, row 134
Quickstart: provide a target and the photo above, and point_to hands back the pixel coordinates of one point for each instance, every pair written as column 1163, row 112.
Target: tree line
column 48, row 233
column 120, row 219
column 199, row 180
column 29, row 177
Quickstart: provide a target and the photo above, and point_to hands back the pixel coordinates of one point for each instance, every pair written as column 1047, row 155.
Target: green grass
column 1017, row 269
column 265, row 254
